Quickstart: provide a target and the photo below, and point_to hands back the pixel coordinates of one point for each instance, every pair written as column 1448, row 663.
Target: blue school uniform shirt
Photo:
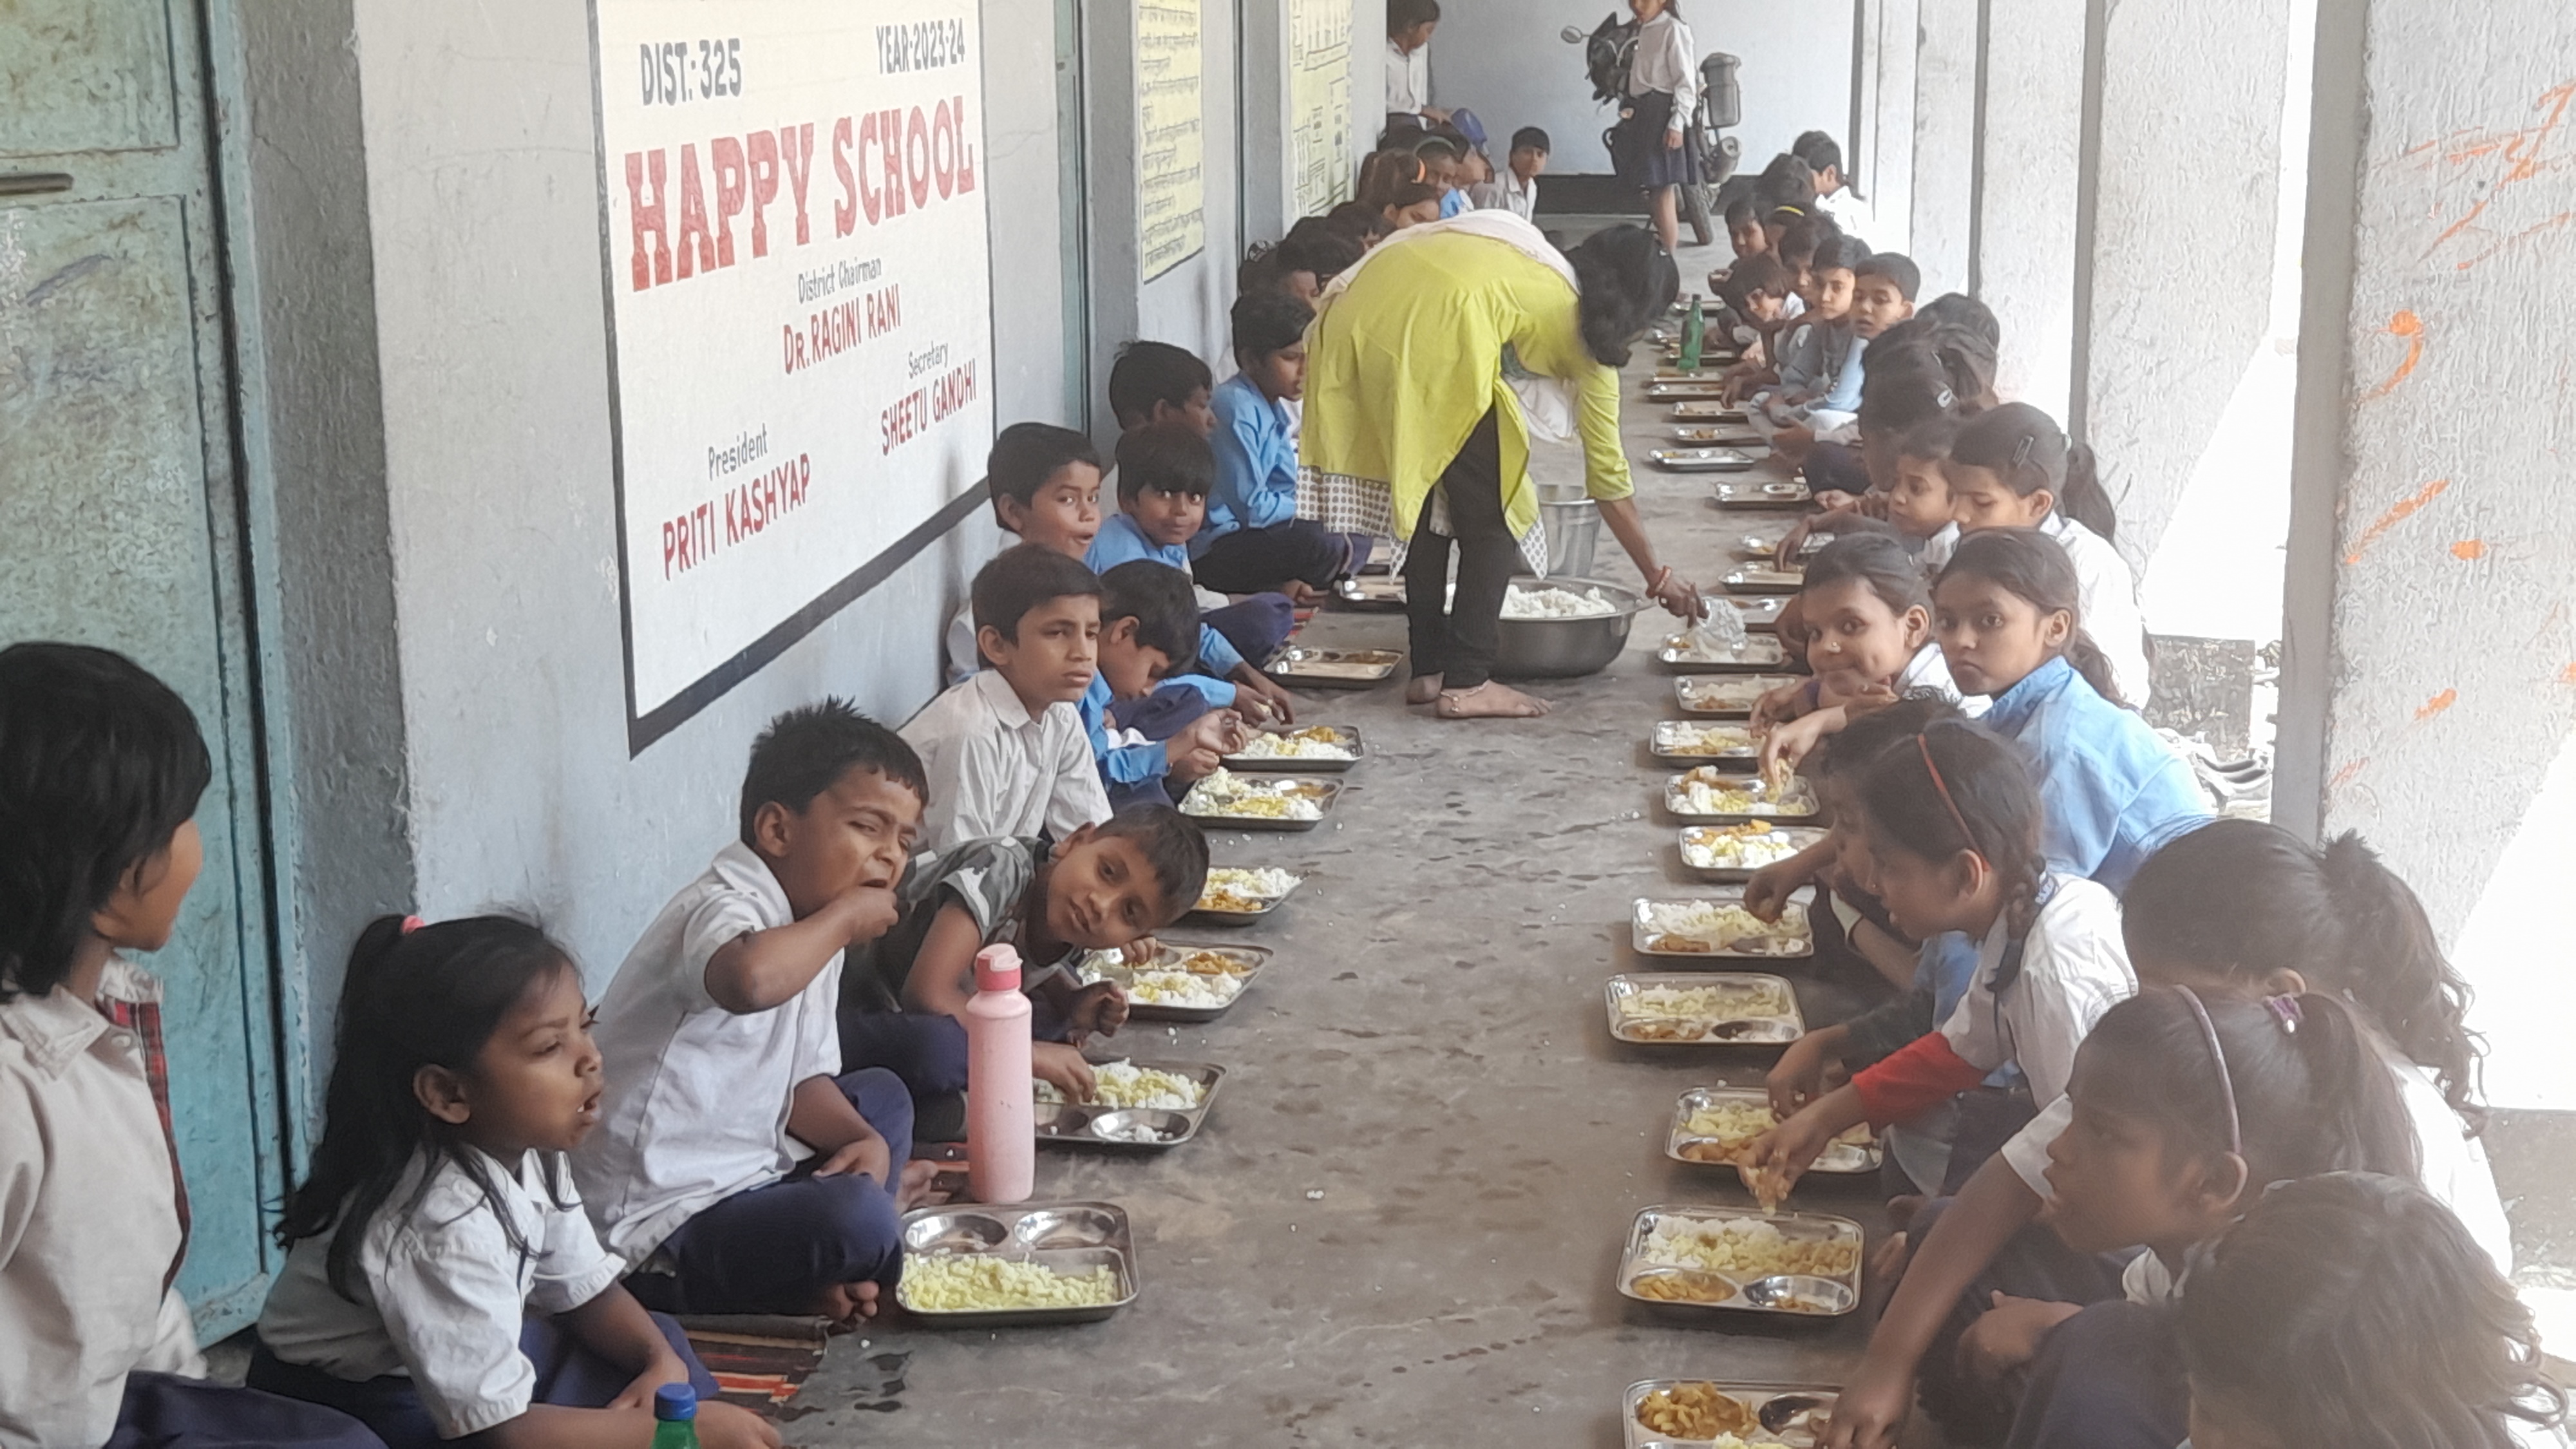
column 1120, row 541
column 1256, row 463
column 2110, row 793
column 1120, row 765
column 1843, row 396
column 1452, row 202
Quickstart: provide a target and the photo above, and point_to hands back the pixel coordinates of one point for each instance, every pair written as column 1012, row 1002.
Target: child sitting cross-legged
column 1005, row 752
column 1045, row 485
column 1253, row 539
column 441, row 1281
column 1148, row 635
column 737, row 1168
column 1105, row 887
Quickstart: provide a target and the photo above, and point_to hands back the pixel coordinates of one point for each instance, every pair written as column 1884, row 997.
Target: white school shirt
column 2107, row 595
column 442, row 1291
column 996, row 770
column 1507, row 192
column 1667, row 60
column 89, row 1219
column 697, row 1097
column 1930, row 669
column 2074, row 968
column 1408, row 79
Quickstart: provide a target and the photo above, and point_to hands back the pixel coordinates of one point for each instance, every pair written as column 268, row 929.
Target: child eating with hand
column 1148, row 633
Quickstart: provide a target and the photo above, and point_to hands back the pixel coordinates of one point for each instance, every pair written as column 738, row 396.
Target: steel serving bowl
column 1566, row 648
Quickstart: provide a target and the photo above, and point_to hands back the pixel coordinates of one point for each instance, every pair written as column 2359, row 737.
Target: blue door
column 120, row 524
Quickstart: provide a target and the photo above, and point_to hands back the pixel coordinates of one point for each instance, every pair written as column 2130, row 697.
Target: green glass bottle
column 1694, row 331
column 675, row 1417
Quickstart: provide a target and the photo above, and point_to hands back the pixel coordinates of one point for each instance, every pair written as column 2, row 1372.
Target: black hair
column 2310, row 1093
column 1876, row 560
column 1902, row 387
column 2353, row 1311
column 1022, row 577
column 1624, row 280
column 1403, row 15
column 1259, row 271
column 1166, row 609
column 430, row 996
column 1531, row 138
column 1990, row 786
column 2031, row 452
column 1167, row 458
column 1266, row 322
column 1788, row 181
column 1844, row 252
column 1804, row 238
column 1384, row 171
column 1172, row 843
column 1760, row 272
column 1316, row 245
column 2243, row 898
column 1897, row 267
column 1958, row 309
column 1359, row 221
column 1026, row 455
column 2033, row 566
column 1402, row 194
column 1930, row 438
column 1742, row 210
column 1433, row 144
column 1850, row 751
column 1820, row 151
column 100, row 764
column 1147, row 373
column 805, row 751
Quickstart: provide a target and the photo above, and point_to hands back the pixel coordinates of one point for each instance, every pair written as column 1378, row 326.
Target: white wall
column 1502, row 59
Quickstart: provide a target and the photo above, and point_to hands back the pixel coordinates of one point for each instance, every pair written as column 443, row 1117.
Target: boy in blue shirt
column 1148, row 633
column 1253, row 539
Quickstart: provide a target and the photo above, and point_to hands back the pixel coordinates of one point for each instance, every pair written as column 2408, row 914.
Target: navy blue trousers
column 2108, row 1378
column 2035, row 1264
column 1255, row 627
column 1253, row 560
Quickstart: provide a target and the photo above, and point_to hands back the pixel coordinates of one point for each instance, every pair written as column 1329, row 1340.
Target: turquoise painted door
column 120, row 523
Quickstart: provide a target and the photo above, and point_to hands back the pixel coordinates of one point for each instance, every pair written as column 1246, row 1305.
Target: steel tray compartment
column 1764, row 579
column 1645, row 940
column 1067, row 1236
column 1679, row 742
column 1726, row 696
column 1243, row 918
column 1709, row 412
column 1105, row 966
column 1322, row 792
column 1820, row 1297
column 1347, row 736
column 1701, row 460
column 1695, row 838
column 1764, row 546
column 1797, row 805
column 1334, row 668
column 1720, row 435
column 1790, row 1414
column 1686, row 389
column 1760, row 493
column 1840, row 1158
column 1761, row 652
column 1093, row 1124
column 1384, row 592
column 1777, row 1027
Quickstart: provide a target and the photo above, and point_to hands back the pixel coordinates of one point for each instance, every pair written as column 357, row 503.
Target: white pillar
column 2030, row 150
column 1944, row 161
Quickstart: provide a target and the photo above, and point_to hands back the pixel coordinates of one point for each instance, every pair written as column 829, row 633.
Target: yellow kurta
column 1405, row 361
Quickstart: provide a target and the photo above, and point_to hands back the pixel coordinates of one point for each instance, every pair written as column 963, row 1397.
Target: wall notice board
column 798, row 277
column 1171, row 135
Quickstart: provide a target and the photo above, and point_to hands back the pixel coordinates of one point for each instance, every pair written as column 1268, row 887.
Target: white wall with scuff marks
column 2437, row 623
column 2026, row 227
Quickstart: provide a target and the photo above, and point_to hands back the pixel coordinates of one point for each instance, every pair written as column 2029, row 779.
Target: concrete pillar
column 1943, row 165
column 2029, row 159
column 1883, row 142
column 2430, row 683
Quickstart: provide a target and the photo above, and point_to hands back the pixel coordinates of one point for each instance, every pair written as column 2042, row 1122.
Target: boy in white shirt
column 735, row 1169
column 1516, row 189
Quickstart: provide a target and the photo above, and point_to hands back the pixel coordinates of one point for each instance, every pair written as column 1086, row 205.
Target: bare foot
column 1422, row 689
column 916, row 1186
column 1489, row 701
column 848, row 1305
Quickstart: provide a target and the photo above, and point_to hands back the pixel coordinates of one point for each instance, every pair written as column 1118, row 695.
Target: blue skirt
column 1640, row 153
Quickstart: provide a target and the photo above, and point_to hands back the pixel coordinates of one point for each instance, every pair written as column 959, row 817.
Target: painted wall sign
column 1319, row 104
column 1171, row 138
column 800, row 346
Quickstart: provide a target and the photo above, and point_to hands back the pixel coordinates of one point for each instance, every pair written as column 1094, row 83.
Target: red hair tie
column 411, row 924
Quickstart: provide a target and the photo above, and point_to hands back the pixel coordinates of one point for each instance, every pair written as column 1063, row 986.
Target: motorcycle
column 1610, row 54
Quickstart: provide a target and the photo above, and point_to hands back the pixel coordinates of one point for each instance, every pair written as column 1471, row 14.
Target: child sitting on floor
column 1103, row 888
column 1755, row 290
column 1148, row 634
column 1045, row 485
column 101, row 770
column 1253, row 539
column 1005, row 752
column 441, row 1281
column 1820, row 372
column 1516, row 189
column 1155, row 382
column 1798, row 355
column 1867, row 612
column 738, row 1169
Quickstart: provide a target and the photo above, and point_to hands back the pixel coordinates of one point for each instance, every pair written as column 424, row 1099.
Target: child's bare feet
column 1422, row 689
column 917, row 1186
column 1489, row 701
column 848, row 1304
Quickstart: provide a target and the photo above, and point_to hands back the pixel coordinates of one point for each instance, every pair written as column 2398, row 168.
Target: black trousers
column 1458, row 638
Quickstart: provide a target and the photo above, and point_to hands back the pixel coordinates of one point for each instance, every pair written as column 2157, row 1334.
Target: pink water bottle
column 1001, row 1125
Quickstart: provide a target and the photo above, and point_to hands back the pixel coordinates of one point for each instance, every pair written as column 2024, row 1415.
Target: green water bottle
column 675, row 1417
column 1694, row 329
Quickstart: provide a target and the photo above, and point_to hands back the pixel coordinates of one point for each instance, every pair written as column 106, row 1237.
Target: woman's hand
column 1679, row 596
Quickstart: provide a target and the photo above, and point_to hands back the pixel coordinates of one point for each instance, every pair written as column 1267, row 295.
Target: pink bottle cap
column 997, row 968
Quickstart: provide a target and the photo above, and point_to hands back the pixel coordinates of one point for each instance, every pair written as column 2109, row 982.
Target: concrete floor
column 1400, row 1223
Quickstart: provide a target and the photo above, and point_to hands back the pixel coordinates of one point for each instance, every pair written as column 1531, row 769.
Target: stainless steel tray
column 1823, row 1296
column 1105, row 966
column 1761, row 652
column 1092, row 1124
column 1243, row 918
column 1760, row 493
column 1798, row 806
column 1800, row 837
column 1371, row 591
column 1686, row 389
column 1709, row 412
column 1720, row 435
column 1839, row 1158
column 1646, row 941
column 1798, row 1422
column 1770, row 1028
column 1701, row 460
column 1334, row 668
column 1764, row 579
column 1764, row 546
column 1347, row 736
column 1322, row 792
column 1760, row 612
column 1066, row 1236
column 1671, row 735
column 1726, row 696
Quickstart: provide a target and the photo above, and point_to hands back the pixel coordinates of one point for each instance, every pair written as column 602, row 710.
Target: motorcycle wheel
column 1694, row 212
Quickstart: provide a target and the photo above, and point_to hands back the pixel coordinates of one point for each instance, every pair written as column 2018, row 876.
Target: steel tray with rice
column 1702, row 460
column 1713, row 1125
column 1717, row 926
column 1718, row 1414
column 1133, row 1104
column 1300, row 747
column 1727, row 696
column 993, row 1266
column 1674, row 1008
column 1240, row 895
column 1687, row 742
column 1710, row 412
column 1689, row 654
column 1707, row 795
column 1334, row 668
column 1760, row 493
column 1263, row 802
column 1743, row 1260
column 1182, row 983
column 1735, row 852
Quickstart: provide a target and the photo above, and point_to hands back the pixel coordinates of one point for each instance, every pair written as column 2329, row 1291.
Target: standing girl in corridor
column 1654, row 146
